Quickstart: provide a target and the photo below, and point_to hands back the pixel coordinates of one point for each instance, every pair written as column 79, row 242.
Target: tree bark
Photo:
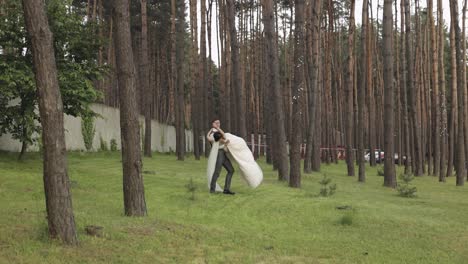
column 312, row 136
column 389, row 127
column 452, row 123
column 297, row 91
column 60, row 219
column 404, row 95
column 133, row 188
column 180, row 106
column 194, row 80
column 272, row 70
column 435, row 85
column 349, row 94
column 145, row 78
column 460, row 165
column 443, row 106
column 204, row 90
column 362, row 92
column 236, row 71
column 417, row 161
column 465, row 107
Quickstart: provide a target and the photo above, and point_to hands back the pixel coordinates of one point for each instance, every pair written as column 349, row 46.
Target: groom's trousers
column 222, row 161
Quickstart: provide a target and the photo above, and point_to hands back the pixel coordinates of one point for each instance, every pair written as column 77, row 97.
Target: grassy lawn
column 272, row 224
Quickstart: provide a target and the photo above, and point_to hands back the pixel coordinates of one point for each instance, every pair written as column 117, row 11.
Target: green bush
column 88, row 131
column 380, row 172
column 104, row 146
column 347, row 219
column 405, row 189
column 113, row 145
column 326, row 189
column 191, row 188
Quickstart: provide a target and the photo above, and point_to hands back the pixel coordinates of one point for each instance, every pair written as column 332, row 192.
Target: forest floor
column 271, row 224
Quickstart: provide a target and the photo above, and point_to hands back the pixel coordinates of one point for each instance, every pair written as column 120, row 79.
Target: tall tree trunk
column 236, row 71
column 435, row 85
column 398, row 123
column 60, row 219
column 372, row 89
column 297, row 91
column 194, row 81
column 362, row 91
column 389, row 127
column 317, row 143
column 203, row 76
column 443, row 106
column 349, row 94
column 452, row 123
column 463, row 55
column 460, row 165
column 24, row 147
column 180, row 105
column 405, row 155
column 272, row 70
column 145, row 78
column 133, row 188
column 313, row 90
column 417, row 159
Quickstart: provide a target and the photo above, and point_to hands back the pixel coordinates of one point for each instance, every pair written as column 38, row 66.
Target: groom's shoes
column 228, row 192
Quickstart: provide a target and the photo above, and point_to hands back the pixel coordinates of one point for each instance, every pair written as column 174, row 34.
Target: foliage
column 191, row 188
column 113, row 145
column 17, row 88
column 380, row 172
column 347, row 219
column 103, row 146
column 405, row 189
column 88, row 130
column 326, row 189
column 75, row 46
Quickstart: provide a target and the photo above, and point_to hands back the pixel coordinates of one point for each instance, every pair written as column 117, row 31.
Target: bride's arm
column 221, row 131
column 209, row 136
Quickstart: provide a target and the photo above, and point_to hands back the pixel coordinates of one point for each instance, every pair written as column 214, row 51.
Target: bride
column 238, row 150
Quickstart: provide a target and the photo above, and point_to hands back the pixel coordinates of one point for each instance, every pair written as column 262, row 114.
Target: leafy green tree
column 75, row 45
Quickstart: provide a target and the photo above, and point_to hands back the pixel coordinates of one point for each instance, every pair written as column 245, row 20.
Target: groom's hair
column 214, row 119
column 217, row 136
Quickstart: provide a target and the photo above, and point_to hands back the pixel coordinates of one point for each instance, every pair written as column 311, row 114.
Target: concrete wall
column 107, row 126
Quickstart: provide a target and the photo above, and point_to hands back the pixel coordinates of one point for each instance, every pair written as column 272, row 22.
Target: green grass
column 272, row 224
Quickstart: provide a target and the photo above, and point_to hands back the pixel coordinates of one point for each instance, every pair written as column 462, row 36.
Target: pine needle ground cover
column 359, row 223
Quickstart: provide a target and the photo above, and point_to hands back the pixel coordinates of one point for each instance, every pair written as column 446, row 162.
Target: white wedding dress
column 240, row 152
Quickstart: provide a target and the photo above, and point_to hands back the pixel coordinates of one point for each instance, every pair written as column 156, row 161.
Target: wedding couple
column 223, row 147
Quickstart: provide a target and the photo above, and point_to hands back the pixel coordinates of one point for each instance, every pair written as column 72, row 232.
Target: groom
column 217, row 134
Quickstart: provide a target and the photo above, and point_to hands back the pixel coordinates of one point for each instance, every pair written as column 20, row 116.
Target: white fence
column 107, row 126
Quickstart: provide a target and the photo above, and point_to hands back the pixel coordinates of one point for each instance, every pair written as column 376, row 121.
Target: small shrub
column 380, row 172
column 103, row 146
column 347, row 219
column 326, row 189
column 88, row 130
column 113, row 145
column 191, row 188
column 405, row 189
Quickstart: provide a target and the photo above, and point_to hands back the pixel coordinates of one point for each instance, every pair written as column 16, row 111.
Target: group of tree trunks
column 290, row 71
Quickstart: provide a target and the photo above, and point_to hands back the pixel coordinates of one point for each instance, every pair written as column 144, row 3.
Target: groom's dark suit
column 221, row 160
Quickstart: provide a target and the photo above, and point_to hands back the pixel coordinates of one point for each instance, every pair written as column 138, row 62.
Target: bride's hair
column 217, row 136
